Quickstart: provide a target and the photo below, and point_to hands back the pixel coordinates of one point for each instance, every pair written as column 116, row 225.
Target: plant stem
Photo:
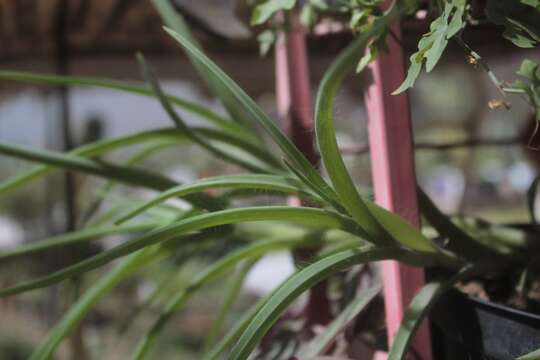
column 483, row 64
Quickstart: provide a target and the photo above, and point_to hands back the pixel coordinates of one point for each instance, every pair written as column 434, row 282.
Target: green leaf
column 305, row 180
column 417, row 310
column 531, row 198
column 216, row 270
column 531, row 86
column 323, row 341
column 174, row 20
column 529, row 70
column 535, row 355
column 457, row 23
column 258, row 182
column 519, row 20
column 127, row 175
column 376, row 46
column 103, row 146
column 293, row 154
column 235, row 332
column 533, row 3
column 382, row 226
column 103, row 193
column 433, row 55
column 182, row 126
column 266, row 40
column 400, row 229
column 412, row 74
column 459, row 241
column 127, row 267
column 99, row 168
column 433, row 44
column 76, row 237
column 306, row 216
column 308, row 16
column 232, row 292
column 293, row 287
column 327, row 142
column 268, row 8
column 58, row 80
column 89, row 299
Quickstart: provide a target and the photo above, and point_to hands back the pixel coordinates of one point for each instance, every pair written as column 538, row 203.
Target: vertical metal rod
column 70, row 192
column 294, row 105
column 394, row 179
column 62, row 68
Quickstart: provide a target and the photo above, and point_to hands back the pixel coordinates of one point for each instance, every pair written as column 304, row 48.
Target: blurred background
column 470, row 157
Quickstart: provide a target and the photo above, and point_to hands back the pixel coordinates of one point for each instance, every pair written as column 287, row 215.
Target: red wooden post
column 394, row 179
column 293, row 88
column 294, row 105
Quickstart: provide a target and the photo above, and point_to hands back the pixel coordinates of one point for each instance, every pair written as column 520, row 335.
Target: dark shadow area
column 466, row 328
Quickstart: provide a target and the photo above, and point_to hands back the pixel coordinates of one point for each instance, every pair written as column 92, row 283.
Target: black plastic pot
column 467, row 328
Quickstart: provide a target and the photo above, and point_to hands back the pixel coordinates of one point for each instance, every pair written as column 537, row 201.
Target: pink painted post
column 294, row 105
column 293, row 88
column 394, row 179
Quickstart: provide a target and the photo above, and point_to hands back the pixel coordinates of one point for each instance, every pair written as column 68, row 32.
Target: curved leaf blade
column 103, row 146
column 173, row 19
column 182, row 126
column 254, row 110
column 326, row 135
column 300, row 215
column 232, row 292
column 417, row 310
column 76, row 237
column 301, row 281
column 246, row 181
column 381, row 225
column 535, row 355
column 90, row 298
column 214, row 271
column 109, row 171
column 460, row 241
column 323, row 341
column 236, row 330
column 59, row 80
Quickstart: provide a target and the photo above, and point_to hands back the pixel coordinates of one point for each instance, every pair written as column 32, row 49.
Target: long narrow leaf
column 103, row 146
column 303, row 280
column 87, row 302
column 417, row 310
column 173, row 19
column 76, row 237
column 303, row 178
column 231, row 292
column 379, row 223
column 307, row 216
column 127, row 267
column 105, row 190
column 254, row 110
column 323, row 341
column 215, row 270
column 535, row 355
column 531, row 199
column 237, row 329
column 58, row 80
column 326, row 136
column 109, row 171
column 182, row 126
column 249, row 181
column 460, row 242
